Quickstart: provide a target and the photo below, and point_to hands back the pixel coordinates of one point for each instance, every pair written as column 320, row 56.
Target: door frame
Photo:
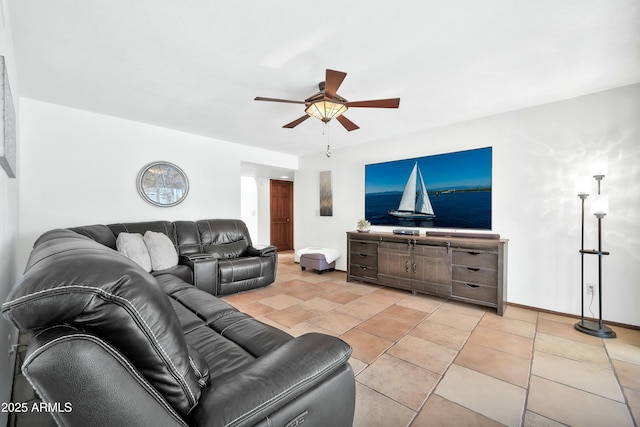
column 291, row 211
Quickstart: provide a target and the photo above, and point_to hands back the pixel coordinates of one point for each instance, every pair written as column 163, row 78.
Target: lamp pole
column 582, row 196
column 600, row 206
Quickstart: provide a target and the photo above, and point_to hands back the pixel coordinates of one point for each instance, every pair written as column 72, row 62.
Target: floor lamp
column 599, row 208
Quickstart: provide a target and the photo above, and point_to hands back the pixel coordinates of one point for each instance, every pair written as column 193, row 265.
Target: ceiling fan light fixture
column 325, row 110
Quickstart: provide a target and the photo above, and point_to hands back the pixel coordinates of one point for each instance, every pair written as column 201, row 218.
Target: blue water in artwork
column 469, row 210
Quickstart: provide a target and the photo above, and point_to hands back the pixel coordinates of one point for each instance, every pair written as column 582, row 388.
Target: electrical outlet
column 589, row 289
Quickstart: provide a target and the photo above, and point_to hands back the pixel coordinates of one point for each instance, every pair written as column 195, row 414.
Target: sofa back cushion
column 71, row 279
column 164, row 227
column 187, row 237
column 99, row 232
column 224, row 238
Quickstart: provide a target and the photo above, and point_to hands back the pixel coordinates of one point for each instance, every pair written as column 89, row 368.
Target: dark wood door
column 282, row 214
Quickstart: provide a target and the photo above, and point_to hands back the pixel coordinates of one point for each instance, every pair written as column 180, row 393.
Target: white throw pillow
column 133, row 247
column 161, row 250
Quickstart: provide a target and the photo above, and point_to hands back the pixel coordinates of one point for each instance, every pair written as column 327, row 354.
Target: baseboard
column 559, row 313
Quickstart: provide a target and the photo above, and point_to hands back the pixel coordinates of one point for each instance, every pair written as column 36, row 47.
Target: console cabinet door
column 432, row 270
column 395, row 264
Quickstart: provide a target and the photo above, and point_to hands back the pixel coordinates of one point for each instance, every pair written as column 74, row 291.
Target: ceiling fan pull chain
column 326, row 126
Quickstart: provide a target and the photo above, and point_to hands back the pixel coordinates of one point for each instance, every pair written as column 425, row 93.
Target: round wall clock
column 163, row 184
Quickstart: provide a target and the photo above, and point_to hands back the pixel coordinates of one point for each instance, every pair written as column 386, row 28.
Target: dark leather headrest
column 71, row 279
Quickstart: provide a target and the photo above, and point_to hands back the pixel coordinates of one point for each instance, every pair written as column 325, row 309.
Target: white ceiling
column 196, row 65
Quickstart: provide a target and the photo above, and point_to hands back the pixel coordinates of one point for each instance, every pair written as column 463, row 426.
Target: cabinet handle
column 406, row 266
column 473, row 269
column 362, row 255
column 363, row 268
column 473, row 253
column 472, row 286
column 415, row 267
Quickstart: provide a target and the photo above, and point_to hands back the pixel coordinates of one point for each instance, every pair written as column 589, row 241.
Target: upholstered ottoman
column 319, row 259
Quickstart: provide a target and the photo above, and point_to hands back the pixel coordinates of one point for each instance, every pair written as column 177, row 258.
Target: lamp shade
column 600, row 205
column 325, row 110
column 600, row 167
column 583, row 186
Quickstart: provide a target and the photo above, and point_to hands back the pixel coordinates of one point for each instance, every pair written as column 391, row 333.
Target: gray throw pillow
column 161, row 251
column 133, row 247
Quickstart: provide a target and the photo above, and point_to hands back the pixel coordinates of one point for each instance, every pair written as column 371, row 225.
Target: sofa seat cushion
column 71, row 279
column 221, row 354
column 224, row 336
column 234, row 270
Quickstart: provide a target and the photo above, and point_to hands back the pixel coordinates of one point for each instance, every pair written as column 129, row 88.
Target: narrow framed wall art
column 8, row 125
column 326, row 194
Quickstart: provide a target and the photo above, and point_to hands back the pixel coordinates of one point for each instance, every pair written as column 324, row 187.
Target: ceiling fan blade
column 296, row 122
column 348, row 124
column 260, row 98
column 332, row 82
column 376, row 103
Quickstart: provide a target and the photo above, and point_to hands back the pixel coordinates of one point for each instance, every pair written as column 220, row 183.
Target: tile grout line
column 527, row 390
column 536, row 336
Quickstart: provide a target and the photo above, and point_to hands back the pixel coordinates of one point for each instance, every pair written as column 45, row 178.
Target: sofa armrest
column 248, row 395
column 262, row 250
column 205, row 271
column 91, row 382
column 194, row 257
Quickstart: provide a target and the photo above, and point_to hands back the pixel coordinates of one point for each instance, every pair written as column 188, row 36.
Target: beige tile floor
column 426, row 361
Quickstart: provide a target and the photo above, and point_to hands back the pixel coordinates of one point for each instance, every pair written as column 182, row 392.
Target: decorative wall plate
column 162, row 184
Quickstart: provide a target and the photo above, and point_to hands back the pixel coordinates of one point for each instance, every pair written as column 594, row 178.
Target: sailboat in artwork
column 415, row 203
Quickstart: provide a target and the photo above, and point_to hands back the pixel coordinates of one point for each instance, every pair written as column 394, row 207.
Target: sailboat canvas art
column 451, row 190
column 415, row 203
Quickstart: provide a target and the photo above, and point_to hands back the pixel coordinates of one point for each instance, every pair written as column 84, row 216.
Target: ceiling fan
column 327, row 104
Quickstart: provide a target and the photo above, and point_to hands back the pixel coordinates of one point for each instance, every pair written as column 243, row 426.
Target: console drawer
column 474, row 292
column 363, row 271
column 366, row 260
column 473, row 258
column 362, row 247
column 479, row 276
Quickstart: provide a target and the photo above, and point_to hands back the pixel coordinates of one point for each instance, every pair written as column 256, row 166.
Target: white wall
column 9, row 223
column 80, row 168
column 538, row 154
column 249, row 205
column 264, row 210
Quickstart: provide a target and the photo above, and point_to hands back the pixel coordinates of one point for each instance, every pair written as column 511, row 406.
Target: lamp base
column 593, row 328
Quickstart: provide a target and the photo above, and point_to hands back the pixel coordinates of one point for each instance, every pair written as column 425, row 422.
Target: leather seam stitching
column 310, row 378
column 111, row 350
column 101, row 292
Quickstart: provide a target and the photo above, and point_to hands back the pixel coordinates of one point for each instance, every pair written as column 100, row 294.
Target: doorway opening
column 255, row 188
